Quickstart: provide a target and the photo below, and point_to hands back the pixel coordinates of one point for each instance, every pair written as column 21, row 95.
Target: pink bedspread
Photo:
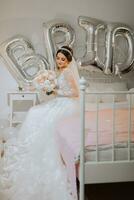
column 68, row 132
column 69, row 128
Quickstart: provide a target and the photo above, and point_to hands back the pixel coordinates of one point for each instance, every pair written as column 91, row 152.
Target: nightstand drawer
column 23, row 96
column 20, row 103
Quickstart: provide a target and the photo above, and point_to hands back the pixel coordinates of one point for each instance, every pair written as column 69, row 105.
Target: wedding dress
column 32, row 165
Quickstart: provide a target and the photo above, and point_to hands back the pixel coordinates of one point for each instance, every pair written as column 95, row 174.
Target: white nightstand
column 20, row 102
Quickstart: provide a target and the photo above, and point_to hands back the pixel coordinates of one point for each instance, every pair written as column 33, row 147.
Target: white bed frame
column 98, row 171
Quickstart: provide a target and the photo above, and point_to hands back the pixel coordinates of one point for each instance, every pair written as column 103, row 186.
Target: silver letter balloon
column 57, row 34
column 110, row 46
column 21, row 59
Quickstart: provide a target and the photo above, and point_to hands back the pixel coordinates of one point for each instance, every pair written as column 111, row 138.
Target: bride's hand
column 43, row 89
column 54, row 91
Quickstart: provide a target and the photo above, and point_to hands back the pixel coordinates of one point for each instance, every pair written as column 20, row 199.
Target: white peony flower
column 46, row 81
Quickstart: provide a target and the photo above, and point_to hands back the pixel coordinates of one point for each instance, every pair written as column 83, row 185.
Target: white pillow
column 106, row 87
column 90, row 68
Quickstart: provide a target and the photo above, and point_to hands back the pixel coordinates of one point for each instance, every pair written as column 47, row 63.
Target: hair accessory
column 62, row 48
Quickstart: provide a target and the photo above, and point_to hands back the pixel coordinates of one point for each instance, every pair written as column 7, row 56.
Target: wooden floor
column 110, row 191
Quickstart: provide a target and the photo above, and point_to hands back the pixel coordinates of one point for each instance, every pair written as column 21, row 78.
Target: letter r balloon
column 57, row 34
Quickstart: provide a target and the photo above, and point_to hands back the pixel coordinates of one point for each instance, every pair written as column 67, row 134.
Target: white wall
column 118, row 10
column 26, row 18
column 7, row 83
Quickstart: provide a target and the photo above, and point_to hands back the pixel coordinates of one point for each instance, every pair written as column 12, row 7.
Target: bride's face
column 61, row 61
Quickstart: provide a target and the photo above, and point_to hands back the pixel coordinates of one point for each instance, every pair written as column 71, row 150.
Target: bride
column 34, row 168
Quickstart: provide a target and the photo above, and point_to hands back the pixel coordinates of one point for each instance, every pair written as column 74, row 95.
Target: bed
column 101, row 138
column 109, row 141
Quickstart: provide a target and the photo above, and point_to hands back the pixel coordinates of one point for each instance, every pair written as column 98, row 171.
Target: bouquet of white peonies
column 46, row 81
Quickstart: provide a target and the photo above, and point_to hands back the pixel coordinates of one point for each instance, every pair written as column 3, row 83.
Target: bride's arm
column 68, row 87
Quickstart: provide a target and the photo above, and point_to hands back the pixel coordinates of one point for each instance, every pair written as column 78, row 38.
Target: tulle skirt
column 32, row 168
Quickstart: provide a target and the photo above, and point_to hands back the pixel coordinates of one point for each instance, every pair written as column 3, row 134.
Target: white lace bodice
column 66, row 84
